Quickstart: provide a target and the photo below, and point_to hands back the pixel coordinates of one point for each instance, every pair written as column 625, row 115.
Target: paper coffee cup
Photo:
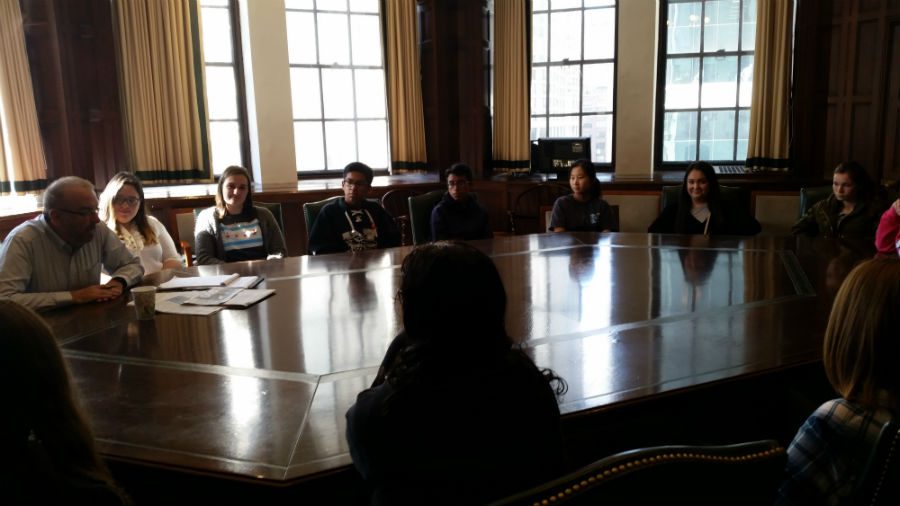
column 144, row 301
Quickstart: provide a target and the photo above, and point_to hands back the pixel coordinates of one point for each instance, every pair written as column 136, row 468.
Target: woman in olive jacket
column 852, row 211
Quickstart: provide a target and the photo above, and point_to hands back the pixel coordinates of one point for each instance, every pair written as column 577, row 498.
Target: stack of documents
column 205, row 295
column 204, row 282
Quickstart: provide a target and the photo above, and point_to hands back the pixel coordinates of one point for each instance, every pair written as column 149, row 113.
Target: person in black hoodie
column 457, row 414
column 458, row 215
column 353, row 223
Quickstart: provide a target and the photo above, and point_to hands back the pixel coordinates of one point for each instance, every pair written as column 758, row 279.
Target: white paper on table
column 214, row 296
column 195, row 282
column 172, row 302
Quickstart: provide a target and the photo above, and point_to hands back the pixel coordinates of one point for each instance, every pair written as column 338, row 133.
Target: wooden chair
column 396, row 203
column 747, row 473
column 525, row 217
column 880, row 482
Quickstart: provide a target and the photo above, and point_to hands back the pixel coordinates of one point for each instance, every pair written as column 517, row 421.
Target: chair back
column 526, row 217
column 747, row 473
column 809, row 196
column 396, row 203
column 730, row 194
column 311, row 212
column 880, row 482
column 275, row 209
column 185, row 225
column 420, row 207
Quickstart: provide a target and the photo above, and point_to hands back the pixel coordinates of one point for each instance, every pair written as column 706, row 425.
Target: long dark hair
column 454, row 311
column 235, row 170
column 108, row 214
column 713, row 198
column 48, row 433
column 588, row 167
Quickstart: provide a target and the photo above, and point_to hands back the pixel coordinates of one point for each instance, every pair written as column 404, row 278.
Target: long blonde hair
column 108, row 214
column 861, row 340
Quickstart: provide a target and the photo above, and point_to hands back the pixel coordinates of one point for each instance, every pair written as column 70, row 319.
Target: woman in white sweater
column 122, row 210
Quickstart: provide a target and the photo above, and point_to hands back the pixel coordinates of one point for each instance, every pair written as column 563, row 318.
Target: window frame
column 337, row 171
column 609, row 166
column 237, row 57
column 662, row 61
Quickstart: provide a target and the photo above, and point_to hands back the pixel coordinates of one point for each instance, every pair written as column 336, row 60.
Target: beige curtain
column 512, row 149
column 162, row 98
column 22, row 163
column 769, row 142
column 404, row 90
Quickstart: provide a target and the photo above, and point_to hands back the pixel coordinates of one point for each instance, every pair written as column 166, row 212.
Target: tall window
column 573, row 72
column 708, row 75
column 337, row 83
column 226, row 131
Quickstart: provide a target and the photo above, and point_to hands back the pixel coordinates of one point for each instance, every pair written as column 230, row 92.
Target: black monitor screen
column 556, row 155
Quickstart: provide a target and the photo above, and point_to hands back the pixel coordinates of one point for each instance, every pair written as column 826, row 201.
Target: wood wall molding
column 72, row 59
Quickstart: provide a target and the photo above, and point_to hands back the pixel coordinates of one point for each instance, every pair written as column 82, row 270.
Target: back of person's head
column 865, row 187
column 453, row 298
column 55, row 194
column 460, row 170
column 42, row 425
column 362, row 168
column 861, row 343
column 590, row 172
column 231, row 171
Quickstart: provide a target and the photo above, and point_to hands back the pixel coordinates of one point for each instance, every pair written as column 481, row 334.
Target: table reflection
column 622, row 317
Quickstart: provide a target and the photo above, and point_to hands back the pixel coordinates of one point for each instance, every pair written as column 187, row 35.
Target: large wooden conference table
column 260, row 393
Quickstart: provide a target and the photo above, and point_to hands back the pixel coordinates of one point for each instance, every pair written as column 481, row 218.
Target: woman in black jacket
column 458, row 414
column 701, row 210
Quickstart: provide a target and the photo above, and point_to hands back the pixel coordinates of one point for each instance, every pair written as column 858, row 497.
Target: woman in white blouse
column 122, row 209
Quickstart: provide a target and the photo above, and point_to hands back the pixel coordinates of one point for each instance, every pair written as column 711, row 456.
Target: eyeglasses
column 349, row 183
column 126, row 201
column 84, row 213
column 454, row 184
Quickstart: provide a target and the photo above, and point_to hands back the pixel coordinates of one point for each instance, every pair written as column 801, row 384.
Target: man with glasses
column 353, row 223
column 55, row 259
column 458, row 215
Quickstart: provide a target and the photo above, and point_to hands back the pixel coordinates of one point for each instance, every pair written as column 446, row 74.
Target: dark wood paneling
column 846, row 86
column 891, row 140
column 452, row 51
column 72, row 59
column 45, row 63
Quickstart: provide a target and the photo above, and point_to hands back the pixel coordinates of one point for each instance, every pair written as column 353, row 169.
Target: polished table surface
column 262, row 392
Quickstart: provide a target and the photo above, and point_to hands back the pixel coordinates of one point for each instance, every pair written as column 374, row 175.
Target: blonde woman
column 860, row 355
column 122, row 210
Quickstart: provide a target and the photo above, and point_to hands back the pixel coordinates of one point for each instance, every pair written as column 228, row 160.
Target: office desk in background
column 636, row 324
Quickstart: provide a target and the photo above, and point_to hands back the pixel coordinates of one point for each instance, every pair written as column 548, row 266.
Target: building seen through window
column 708, row 76
column 573, row 72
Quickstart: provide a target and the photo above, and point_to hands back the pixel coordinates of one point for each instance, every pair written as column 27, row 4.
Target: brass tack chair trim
column 647, row 461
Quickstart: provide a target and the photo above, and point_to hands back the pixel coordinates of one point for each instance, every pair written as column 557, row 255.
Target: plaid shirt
column 829, row 452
